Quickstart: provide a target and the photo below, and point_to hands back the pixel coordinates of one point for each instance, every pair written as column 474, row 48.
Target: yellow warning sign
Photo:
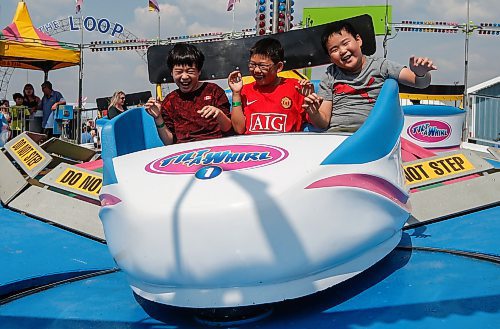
column 436, row 168
column 80, row 181
column 27, row 153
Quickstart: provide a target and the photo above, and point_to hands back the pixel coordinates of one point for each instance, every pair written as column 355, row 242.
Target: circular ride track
column 442, row 275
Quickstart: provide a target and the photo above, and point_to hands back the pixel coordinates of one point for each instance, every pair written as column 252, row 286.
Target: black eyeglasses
column 262, row 67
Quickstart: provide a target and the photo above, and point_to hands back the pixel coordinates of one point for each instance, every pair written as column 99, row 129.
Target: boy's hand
column 235, row 82
column 209, row 111
column 312, row 104
column 305, row 87
column 421, row 65
column 153, row 107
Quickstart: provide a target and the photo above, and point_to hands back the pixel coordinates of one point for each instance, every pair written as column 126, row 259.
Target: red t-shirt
column 272, row 109
column 179, row 111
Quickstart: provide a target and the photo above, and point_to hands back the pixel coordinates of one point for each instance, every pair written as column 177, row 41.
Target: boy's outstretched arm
column 319, row 110
column 237, row 117
column 418, row 73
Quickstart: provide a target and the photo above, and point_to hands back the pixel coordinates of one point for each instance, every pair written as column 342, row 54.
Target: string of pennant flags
column 446, row 27
column 136, row 44
column 403, row 26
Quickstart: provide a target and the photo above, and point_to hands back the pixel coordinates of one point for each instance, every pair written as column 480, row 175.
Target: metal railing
column 485, row 119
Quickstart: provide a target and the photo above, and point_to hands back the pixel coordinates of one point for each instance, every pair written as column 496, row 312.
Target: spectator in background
column 50, row 101
column 86, row 136
column 4, row 124
column 32, row 102
column 117, row 104
column 95, row 138
column 19, row 114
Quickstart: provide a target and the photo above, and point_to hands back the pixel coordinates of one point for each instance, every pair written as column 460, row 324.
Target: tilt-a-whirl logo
column 226, row 157
column 430, row 131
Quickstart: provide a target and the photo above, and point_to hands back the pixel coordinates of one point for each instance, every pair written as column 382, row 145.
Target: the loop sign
column 90, row 24
column 102, row 25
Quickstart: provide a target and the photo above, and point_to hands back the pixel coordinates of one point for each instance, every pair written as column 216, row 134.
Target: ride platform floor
column 442, row 275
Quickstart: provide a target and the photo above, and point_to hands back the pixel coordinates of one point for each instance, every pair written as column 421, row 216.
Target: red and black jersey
column 272, row 109
column 179, row 111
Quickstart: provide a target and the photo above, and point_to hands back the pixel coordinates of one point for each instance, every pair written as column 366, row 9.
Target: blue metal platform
column 443, row 275
column 33, row 253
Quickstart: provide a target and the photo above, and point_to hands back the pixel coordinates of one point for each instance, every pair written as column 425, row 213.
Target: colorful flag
column 153, row 6
column 79, row 4
column 230, row 4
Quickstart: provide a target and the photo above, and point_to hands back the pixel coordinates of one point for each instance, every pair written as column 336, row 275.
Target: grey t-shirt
column 353, row 95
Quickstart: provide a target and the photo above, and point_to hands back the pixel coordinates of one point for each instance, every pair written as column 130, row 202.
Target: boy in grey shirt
column 353, row 82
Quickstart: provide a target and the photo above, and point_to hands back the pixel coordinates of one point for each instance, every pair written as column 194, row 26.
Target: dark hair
column 336, row 28
column 47, row 84
column 185, row 54
column 28, row 85
column 269, row 47
column 17, row 95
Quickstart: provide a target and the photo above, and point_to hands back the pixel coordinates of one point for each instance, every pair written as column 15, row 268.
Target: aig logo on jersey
column 286, row 103
column 267, row 122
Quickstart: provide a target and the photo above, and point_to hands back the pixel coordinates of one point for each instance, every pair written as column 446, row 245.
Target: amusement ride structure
column 392, row 226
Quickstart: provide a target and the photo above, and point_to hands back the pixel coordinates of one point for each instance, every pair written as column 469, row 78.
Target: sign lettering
column 27, row 153
column 267, row 122
column 80, row 180
column 441, row 167
column 213, row 159
column 90, row 24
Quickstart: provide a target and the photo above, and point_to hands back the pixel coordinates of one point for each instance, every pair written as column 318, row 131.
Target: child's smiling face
column 263, row 70
column 186, row 77
column 345, row 51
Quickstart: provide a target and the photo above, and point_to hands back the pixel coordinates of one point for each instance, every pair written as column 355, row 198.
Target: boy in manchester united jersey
column 271, row 104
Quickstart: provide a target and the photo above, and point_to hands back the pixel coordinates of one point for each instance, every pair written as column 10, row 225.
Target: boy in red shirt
column 196, row 110
column 271, row 104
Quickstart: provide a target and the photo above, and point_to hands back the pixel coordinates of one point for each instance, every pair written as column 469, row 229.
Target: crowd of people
column 29, row 112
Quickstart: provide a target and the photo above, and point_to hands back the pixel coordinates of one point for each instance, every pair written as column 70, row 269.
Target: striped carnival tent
column 24, row 46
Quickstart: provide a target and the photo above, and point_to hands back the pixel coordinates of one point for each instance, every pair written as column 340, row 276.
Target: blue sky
column 106, row 72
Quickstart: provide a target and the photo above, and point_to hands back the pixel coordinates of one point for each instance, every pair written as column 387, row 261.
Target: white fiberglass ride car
column 251, row 219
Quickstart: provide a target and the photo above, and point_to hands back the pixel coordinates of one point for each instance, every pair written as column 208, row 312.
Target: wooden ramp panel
column 448, row 200
column 58, row 208
column 11, row 180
